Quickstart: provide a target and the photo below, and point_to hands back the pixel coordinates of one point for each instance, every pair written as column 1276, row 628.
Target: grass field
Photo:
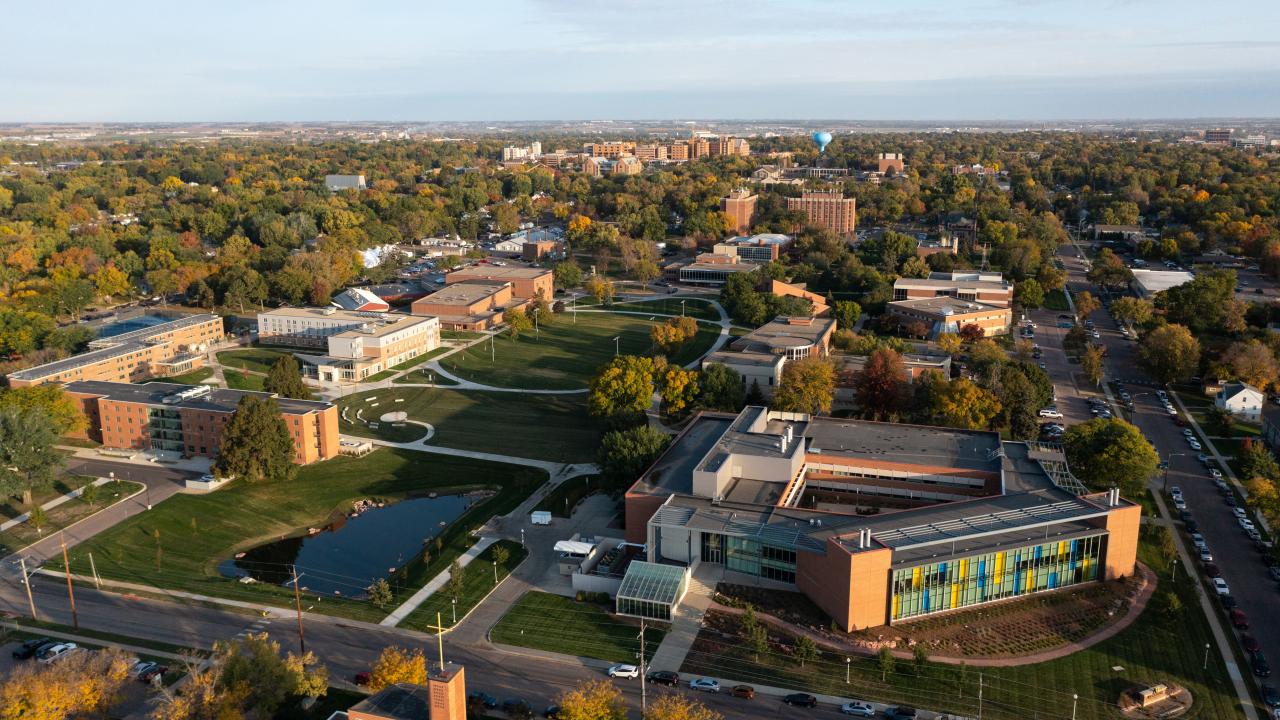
column 238, row 380
column 1157, row 648
column 567, row 354
column 542, row 621
column 414, row 362
column 254, row 359
column 376, row 377
column 477, row 582
column 197, row 532
column 693, row 307
column 194, row 377
column 66, row 514
column 544, row 427
column 425, row 375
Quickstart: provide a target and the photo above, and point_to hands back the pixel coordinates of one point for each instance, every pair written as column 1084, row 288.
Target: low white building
column 358, row 344
column 1149, row 282
column 1242, row 400
column 337, row 183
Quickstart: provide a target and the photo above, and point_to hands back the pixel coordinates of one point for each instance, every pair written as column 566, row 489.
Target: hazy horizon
column 551, row 60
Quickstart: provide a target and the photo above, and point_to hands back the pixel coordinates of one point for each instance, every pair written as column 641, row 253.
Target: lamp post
column 454, row 602
column 1206, row 657
column 847, row 664
column 1166, row 463
column 495, row 572
column 682, row 307
column 1074, row 698
column 617, row 345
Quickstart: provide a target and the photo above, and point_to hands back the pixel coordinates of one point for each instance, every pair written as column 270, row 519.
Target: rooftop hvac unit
column 329, row 310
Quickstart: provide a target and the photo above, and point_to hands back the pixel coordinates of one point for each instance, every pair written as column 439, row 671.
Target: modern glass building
column 652, row 591
column 877, row 523
column 932, row 588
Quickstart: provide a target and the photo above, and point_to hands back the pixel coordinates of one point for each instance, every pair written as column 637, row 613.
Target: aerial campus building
column 877, row 523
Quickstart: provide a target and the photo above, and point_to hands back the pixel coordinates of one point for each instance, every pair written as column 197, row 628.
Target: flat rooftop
column 217, row 400
column 497, row 273
column 944, row 305
column 902, row 443
column 1154, row 281
column 463, row 293
column 401, row 701
column 115, row 346
column 943, row 283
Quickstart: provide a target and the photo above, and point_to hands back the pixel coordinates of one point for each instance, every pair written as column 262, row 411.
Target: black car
column 1192, row 526
column 28, row 649
column 1228, row 602
column 902, row 712
column 801, row 700
column 1275, row 575
column 1258, row 663
column 552, row 712
column 664, row 677
column 483, row 698
column 1270, row 695
column 517, row 708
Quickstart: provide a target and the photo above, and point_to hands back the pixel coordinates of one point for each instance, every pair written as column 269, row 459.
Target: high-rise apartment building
column 1218, row 136
column 828, row 209
column 740, row 205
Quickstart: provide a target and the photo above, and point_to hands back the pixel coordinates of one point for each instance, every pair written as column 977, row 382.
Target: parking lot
column 135, row 697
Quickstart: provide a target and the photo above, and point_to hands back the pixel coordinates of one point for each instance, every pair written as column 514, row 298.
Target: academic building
column 877, row 523
column 526, row 282
column 358, row 344
column 828, row 209
column 187, row 420
column 167, row 347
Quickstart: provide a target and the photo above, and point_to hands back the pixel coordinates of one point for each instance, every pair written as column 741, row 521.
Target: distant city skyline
column 640, row 59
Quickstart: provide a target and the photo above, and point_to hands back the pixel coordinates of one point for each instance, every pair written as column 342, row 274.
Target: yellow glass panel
column 915, row 579
column 955, row 594
column 897, row 605
column 999, row 570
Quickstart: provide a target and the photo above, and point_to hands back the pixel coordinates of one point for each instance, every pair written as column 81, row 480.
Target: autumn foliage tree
column 81, row 684
column 398, row 665
column 671, row 335
column 592, row 700
column 881, row 386
column 963, row 404
column 808, row 386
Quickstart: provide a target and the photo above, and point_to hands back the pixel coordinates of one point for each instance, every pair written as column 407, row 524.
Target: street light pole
column 847, row 664
column 617, row 345
column 1206, row 656
column 1074, row 697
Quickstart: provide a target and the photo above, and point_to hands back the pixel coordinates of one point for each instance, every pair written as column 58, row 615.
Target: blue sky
column 234, row 60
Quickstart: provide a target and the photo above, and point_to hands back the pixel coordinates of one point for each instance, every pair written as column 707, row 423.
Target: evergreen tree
column 256, row 443
column 285, row 379
column 755, row 396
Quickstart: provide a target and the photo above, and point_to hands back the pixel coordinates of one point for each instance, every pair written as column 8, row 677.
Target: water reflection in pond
column 349, row 554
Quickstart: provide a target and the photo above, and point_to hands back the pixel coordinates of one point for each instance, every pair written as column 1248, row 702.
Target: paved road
column 1233, row 552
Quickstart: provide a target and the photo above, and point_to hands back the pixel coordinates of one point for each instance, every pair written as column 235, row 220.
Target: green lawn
column 425, row 375
column 255, row 359
column 197, row 532
column 195, row 377
column 414, row 362
column 477, row 582
column 66, row 514
column 379, row 376
column 542, row 621
column 460, row 335
column 544, row 427
column 567, row 354
column 238, row 380
column 696, row 308
column 1157, row 648
column 1055, row 300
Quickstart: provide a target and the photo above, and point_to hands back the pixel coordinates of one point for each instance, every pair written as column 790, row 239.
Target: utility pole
column 644, row 697
column 979, row 696
column 297, row 600
column 26, row 581
column 66, row 565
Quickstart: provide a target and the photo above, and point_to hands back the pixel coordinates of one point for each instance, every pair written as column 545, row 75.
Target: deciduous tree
column 398, row 665
column 592, row 700
column 517, row 321
column 1253, row 363
column 881, row 385
column 1106, row 453
column 64, row 413
column 624, row 454
column 963, row 404
column 679, row 389
column 1028, row 294
column 1170, row 353
column 1091, row 365
column 807, row 386
column 625, row 385
column 722, row 388
column 28, row 456
column 256, row 442
column 679, row 707
column 846, row 313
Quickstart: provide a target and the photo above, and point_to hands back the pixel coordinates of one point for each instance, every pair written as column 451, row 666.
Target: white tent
column 574, row 547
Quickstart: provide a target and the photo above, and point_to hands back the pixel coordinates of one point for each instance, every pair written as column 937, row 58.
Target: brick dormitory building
column 171, row 347
column 187, row 420
column 877, row 523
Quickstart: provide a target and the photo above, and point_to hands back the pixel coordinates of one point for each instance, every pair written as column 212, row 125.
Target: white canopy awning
column 574, row 547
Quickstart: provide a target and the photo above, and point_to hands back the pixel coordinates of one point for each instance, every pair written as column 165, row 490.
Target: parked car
column 1228, row 602
column 1215, row 472
column 552, row 712
column 1250, row 643
column 902, row 712
column 1245, row 524
column 483, row 698
column 1050, row 412
column 743, row 691
column 801, row 700
column 139, row 668
column 1270, row 695
column 1188, row 432
column 517, row 707
column 1212, row 571
column 625, row 671
column 1239, row 620
column 30, row 648
column 858, row 708
column 1239, row 513
column 705, row 685
column 1206, row 556
column 664, row 677
column 1175, row 491
column 361, row 678
column 1220, row 586
column 1274, row 571
column 52, row 654
column 1191, row 525
column 1258, row 663
column 154, row 674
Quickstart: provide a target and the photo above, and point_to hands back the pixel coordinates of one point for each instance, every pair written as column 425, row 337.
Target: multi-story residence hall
column 877, row 523
column 187, row 420
column 358, row 344
column 169, row 347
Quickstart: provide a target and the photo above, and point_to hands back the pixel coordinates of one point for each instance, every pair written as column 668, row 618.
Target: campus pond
column 344, row 557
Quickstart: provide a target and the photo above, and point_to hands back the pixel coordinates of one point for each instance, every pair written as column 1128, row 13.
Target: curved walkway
column 554, row 469
column 1135, row 610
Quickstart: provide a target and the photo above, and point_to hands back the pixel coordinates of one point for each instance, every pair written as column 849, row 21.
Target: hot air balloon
column 821, row 139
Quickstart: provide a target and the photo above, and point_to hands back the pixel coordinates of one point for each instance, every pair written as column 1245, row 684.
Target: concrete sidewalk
column 675, row 646
column 52, row 504
column 435, row 584
column 554, row 469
